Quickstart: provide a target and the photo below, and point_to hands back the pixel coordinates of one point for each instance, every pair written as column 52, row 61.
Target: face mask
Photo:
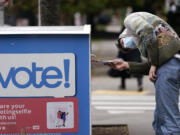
column 129, row 42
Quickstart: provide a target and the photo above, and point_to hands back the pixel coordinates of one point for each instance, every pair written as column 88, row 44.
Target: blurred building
column 173, row 14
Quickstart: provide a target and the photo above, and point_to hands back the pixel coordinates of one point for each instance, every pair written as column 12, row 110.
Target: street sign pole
column 1, row 16
column 39, row 12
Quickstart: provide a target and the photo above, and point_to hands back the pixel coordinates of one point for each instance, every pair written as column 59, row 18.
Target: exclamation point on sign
column 66, row 73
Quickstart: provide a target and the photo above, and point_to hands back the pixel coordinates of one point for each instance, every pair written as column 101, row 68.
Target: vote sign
column 37, row 75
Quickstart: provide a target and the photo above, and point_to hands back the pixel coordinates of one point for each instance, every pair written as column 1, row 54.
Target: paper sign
column 38, row 115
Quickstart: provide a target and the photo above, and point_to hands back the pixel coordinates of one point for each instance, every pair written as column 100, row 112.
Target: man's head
column 128, row 40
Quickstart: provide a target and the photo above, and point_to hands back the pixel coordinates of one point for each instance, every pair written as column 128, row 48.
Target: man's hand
column 152, row 74
column 120, row 64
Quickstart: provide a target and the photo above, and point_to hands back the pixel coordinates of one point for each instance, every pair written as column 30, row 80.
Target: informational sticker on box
column 38, row 115
column 38, row 74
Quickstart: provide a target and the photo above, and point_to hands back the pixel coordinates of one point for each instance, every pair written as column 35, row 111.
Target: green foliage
column 91, row 6
column 124, row 3
column 25, row 5
column 96, row 6
column 83, row 6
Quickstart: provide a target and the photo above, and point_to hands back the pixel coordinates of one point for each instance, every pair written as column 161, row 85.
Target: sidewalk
column 105, row 94
column 108, row 83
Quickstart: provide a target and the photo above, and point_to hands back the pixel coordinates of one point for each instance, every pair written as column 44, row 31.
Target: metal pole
column 39, row 12
column 1, row 15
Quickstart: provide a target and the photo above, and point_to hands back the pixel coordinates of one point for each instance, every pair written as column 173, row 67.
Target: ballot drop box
column 45, row 80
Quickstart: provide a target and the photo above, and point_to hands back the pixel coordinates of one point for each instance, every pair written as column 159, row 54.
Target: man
column 158, row 42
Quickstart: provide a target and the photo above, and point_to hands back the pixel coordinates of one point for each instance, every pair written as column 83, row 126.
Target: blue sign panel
column 55, row 65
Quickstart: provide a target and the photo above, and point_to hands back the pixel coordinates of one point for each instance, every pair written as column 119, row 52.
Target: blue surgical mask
column 129, row 43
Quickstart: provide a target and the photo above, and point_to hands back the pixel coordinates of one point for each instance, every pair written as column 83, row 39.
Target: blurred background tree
column 22, row 9
column 64, row 10
column 89, row 8
column 98, row 13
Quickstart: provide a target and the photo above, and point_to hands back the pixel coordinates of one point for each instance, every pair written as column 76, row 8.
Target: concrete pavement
column 113, row 106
